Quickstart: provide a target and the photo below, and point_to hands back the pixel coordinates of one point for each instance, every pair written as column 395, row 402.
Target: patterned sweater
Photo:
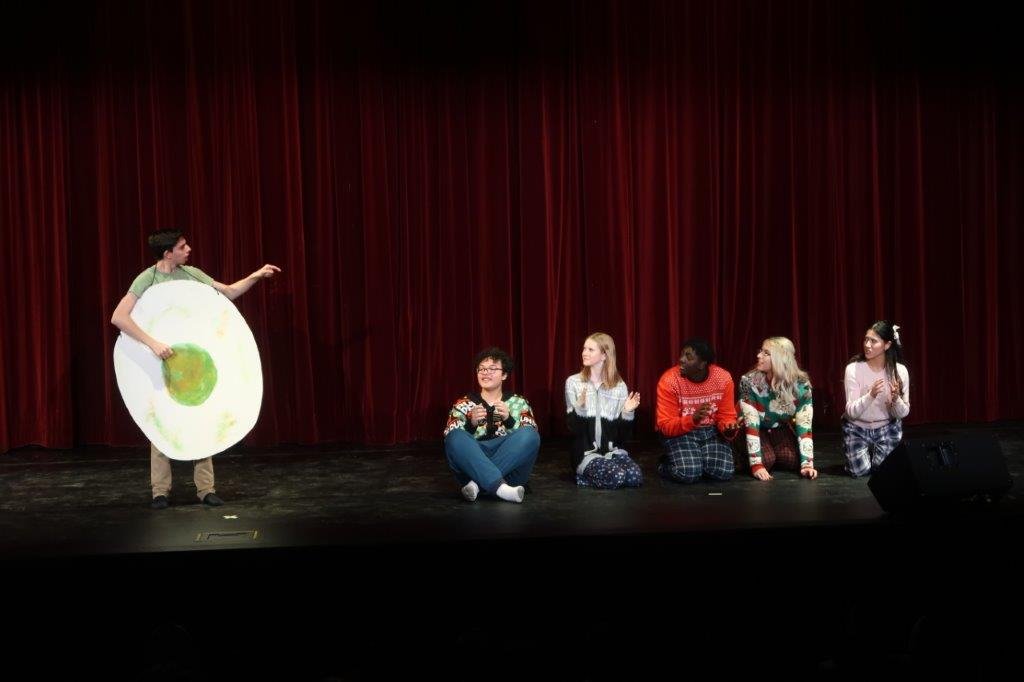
column 519, row 414
column 762, row 409
column 679, row 398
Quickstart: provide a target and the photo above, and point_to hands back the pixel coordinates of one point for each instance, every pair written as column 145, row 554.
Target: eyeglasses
column 489, row 370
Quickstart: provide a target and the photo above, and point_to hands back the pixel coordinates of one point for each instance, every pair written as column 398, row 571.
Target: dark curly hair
column 496, row 354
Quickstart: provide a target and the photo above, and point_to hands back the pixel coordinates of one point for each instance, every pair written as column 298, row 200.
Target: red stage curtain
column 437, row 177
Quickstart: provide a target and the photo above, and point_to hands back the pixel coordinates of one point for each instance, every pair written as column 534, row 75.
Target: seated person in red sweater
column 697, row 416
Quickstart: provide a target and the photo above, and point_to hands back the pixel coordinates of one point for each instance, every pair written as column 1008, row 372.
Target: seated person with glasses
column 491, row 438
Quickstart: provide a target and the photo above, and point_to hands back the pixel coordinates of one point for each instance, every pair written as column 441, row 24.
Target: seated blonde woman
column 775, row 398
column 600, row 413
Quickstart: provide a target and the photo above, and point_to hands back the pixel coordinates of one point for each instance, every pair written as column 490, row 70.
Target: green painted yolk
column 190, row 374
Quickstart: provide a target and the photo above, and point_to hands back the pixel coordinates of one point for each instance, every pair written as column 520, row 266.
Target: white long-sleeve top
column 868, row 412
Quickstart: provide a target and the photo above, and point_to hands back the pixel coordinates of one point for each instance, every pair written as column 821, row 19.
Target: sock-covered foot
column 510, row 494
column 470, row 491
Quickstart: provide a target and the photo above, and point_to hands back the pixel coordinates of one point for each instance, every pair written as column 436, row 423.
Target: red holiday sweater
column 679, row 398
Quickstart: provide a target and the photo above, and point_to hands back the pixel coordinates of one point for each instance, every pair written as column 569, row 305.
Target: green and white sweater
column 762, row 409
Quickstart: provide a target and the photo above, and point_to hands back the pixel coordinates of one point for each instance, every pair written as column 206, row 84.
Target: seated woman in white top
column 600, row 413
column 877, row 399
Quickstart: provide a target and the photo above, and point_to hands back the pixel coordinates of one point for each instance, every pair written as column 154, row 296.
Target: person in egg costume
column 172, row 251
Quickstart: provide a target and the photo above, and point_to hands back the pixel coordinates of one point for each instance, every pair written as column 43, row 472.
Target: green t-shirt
column 152, row 275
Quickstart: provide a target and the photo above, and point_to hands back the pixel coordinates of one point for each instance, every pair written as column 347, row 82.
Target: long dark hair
column 888, row 332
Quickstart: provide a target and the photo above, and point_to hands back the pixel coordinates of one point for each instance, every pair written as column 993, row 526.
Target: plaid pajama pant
column 865, row 449
column 701, row 452
column 618, row 471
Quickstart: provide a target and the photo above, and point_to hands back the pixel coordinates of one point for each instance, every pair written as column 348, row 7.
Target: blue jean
column 489, row 462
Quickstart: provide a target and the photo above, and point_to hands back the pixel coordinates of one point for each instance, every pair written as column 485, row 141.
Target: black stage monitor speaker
column 943, row 470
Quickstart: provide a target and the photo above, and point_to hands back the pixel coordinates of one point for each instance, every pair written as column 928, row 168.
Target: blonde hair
column 610, row 371
column 786, row 373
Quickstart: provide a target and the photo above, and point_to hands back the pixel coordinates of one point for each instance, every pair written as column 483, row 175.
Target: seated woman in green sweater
column 775, row 398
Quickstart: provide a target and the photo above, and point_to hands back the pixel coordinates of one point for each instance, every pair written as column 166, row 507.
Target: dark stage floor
column 359, row 563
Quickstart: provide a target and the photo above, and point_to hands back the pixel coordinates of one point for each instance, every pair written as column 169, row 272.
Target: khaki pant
column 160, row 474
